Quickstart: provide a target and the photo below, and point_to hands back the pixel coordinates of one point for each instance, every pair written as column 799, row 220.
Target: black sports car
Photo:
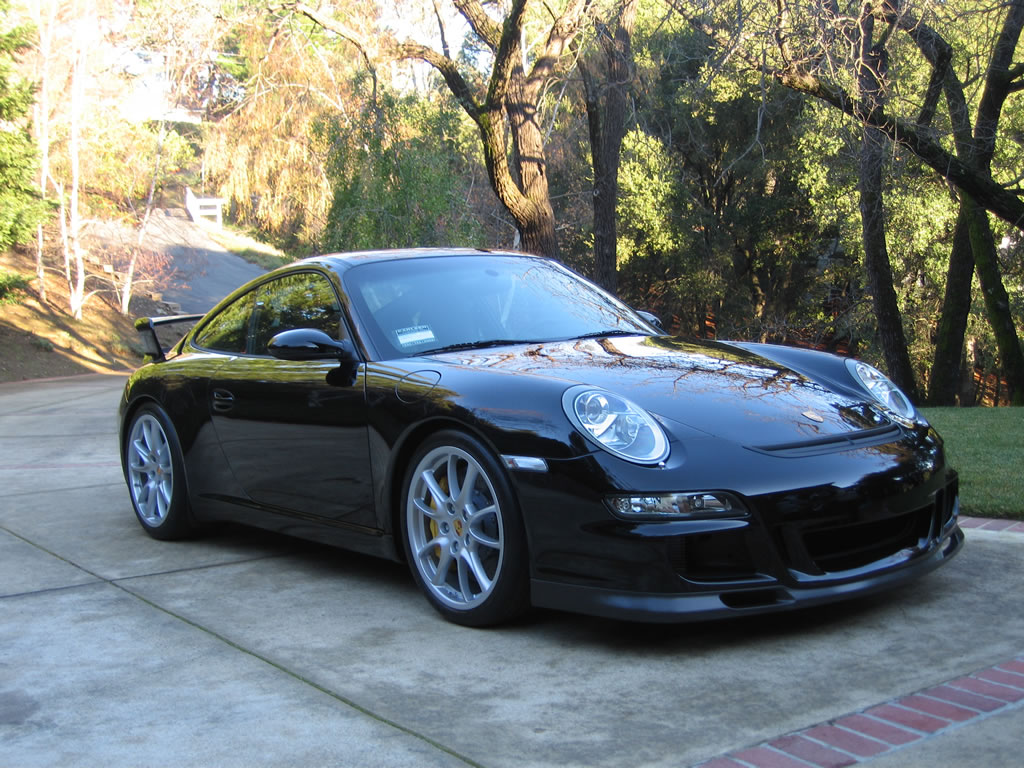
column 520, row 437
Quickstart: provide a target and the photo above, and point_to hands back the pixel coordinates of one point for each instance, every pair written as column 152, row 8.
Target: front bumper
column 815, row 530
column 734, row 600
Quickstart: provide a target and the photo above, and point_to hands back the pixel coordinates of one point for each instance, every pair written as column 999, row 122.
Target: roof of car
column 342, row 261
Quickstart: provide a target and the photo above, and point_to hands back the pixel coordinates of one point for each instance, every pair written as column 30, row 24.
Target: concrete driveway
column 242, row 649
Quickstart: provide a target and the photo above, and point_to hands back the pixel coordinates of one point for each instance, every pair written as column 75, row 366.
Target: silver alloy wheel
column 455, row 527
column 150, row 470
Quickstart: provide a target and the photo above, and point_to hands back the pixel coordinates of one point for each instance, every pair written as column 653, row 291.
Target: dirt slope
column 182, row 263
column 41, row 340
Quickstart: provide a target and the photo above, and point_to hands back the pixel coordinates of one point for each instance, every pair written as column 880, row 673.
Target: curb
column 991, row 524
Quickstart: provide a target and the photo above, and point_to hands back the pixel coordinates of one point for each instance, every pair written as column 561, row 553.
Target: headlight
column 881, row 388
column 616, row 424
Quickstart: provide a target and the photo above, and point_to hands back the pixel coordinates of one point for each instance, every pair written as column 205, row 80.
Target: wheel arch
column 402, row 456
column 127, row 415
column 188, row 523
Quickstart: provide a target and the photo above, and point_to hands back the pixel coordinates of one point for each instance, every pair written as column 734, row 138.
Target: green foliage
column 647, row 197
column 122, row 157
column 398, row 177
column 250, row 248
column 11, row 284
column 738, row 199
column 825, row 150
column 919, row 222
column 265, row 155
column 714, row 219
column 660, row 265
column 231, row 58
column 20, row 206
column 981, row 443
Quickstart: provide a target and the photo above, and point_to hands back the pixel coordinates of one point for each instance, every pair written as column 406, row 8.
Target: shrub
column 11, row 283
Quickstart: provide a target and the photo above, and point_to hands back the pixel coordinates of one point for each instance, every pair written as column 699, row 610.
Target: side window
column 228, row 329
column 300, row 300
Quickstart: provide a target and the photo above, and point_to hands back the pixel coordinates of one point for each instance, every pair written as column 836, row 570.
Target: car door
column 295, row 432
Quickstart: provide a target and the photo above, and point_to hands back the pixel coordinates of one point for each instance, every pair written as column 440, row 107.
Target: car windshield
column 422, row 305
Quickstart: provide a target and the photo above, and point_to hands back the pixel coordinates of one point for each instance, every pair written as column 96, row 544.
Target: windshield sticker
column 417, row 334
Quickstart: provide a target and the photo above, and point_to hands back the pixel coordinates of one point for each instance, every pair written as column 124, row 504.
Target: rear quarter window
column 228, row 330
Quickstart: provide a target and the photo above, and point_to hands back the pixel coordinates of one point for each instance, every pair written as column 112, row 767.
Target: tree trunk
column 538, row 232
column 879, row 269
column 42, row 121
column 974, row 248
column 973, row 230
column 998, row 84
column 944, row 381
column 129, row 278
column 40, row 271
column 538, row 228
column 606, row 118
column 872, row 71
column 944, row 378
column 77, row 284
column 510, row 90
column 997, row 303
column 534, row 219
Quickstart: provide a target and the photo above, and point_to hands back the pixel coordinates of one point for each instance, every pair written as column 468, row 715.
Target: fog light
column 698, row 504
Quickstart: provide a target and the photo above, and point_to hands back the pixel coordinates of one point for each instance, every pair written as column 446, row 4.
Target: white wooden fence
column 204, row 206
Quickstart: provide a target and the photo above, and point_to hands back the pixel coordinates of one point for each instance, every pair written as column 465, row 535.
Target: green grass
column 11, row 284
column 986, row 446
column 249, row 248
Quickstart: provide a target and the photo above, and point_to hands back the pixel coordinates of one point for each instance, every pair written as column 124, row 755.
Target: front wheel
column 463, row 534
column 156, row 475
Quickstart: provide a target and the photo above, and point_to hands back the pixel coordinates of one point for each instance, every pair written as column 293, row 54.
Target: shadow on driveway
column 243, row 649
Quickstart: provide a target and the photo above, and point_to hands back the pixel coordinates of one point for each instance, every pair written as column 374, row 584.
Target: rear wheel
column 463, row 533
column 156, row 475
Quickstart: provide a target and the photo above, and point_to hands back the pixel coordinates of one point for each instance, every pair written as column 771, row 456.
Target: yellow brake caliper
column 435, row 504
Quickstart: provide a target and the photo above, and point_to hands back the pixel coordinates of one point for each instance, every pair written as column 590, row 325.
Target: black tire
column 155, row 474
column 467, row 550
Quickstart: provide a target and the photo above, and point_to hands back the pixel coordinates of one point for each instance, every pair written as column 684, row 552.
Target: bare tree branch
column 333, row 25
column 448, row 70
column 486, row 28
column 1002, row 203
column 562, row 32
column 440, row 28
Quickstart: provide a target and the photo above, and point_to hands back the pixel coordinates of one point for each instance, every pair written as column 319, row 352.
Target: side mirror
column 309, row 344
column 651, row 318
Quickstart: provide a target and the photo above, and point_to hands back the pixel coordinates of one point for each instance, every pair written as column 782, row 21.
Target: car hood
column 715, row 388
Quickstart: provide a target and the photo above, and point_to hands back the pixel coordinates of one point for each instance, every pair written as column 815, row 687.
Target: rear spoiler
column 146, row 326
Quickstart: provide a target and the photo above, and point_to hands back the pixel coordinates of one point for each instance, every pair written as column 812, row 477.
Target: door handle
column 223, row 400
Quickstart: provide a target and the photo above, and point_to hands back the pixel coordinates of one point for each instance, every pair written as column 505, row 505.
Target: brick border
column 991, row 524
column 883, row 728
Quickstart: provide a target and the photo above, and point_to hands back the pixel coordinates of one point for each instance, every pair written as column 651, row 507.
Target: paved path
column 205, row 272
column 242, row 649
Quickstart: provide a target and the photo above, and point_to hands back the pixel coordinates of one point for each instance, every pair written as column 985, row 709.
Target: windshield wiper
column 486, row 343
column 616, row 332
column 483, row 344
